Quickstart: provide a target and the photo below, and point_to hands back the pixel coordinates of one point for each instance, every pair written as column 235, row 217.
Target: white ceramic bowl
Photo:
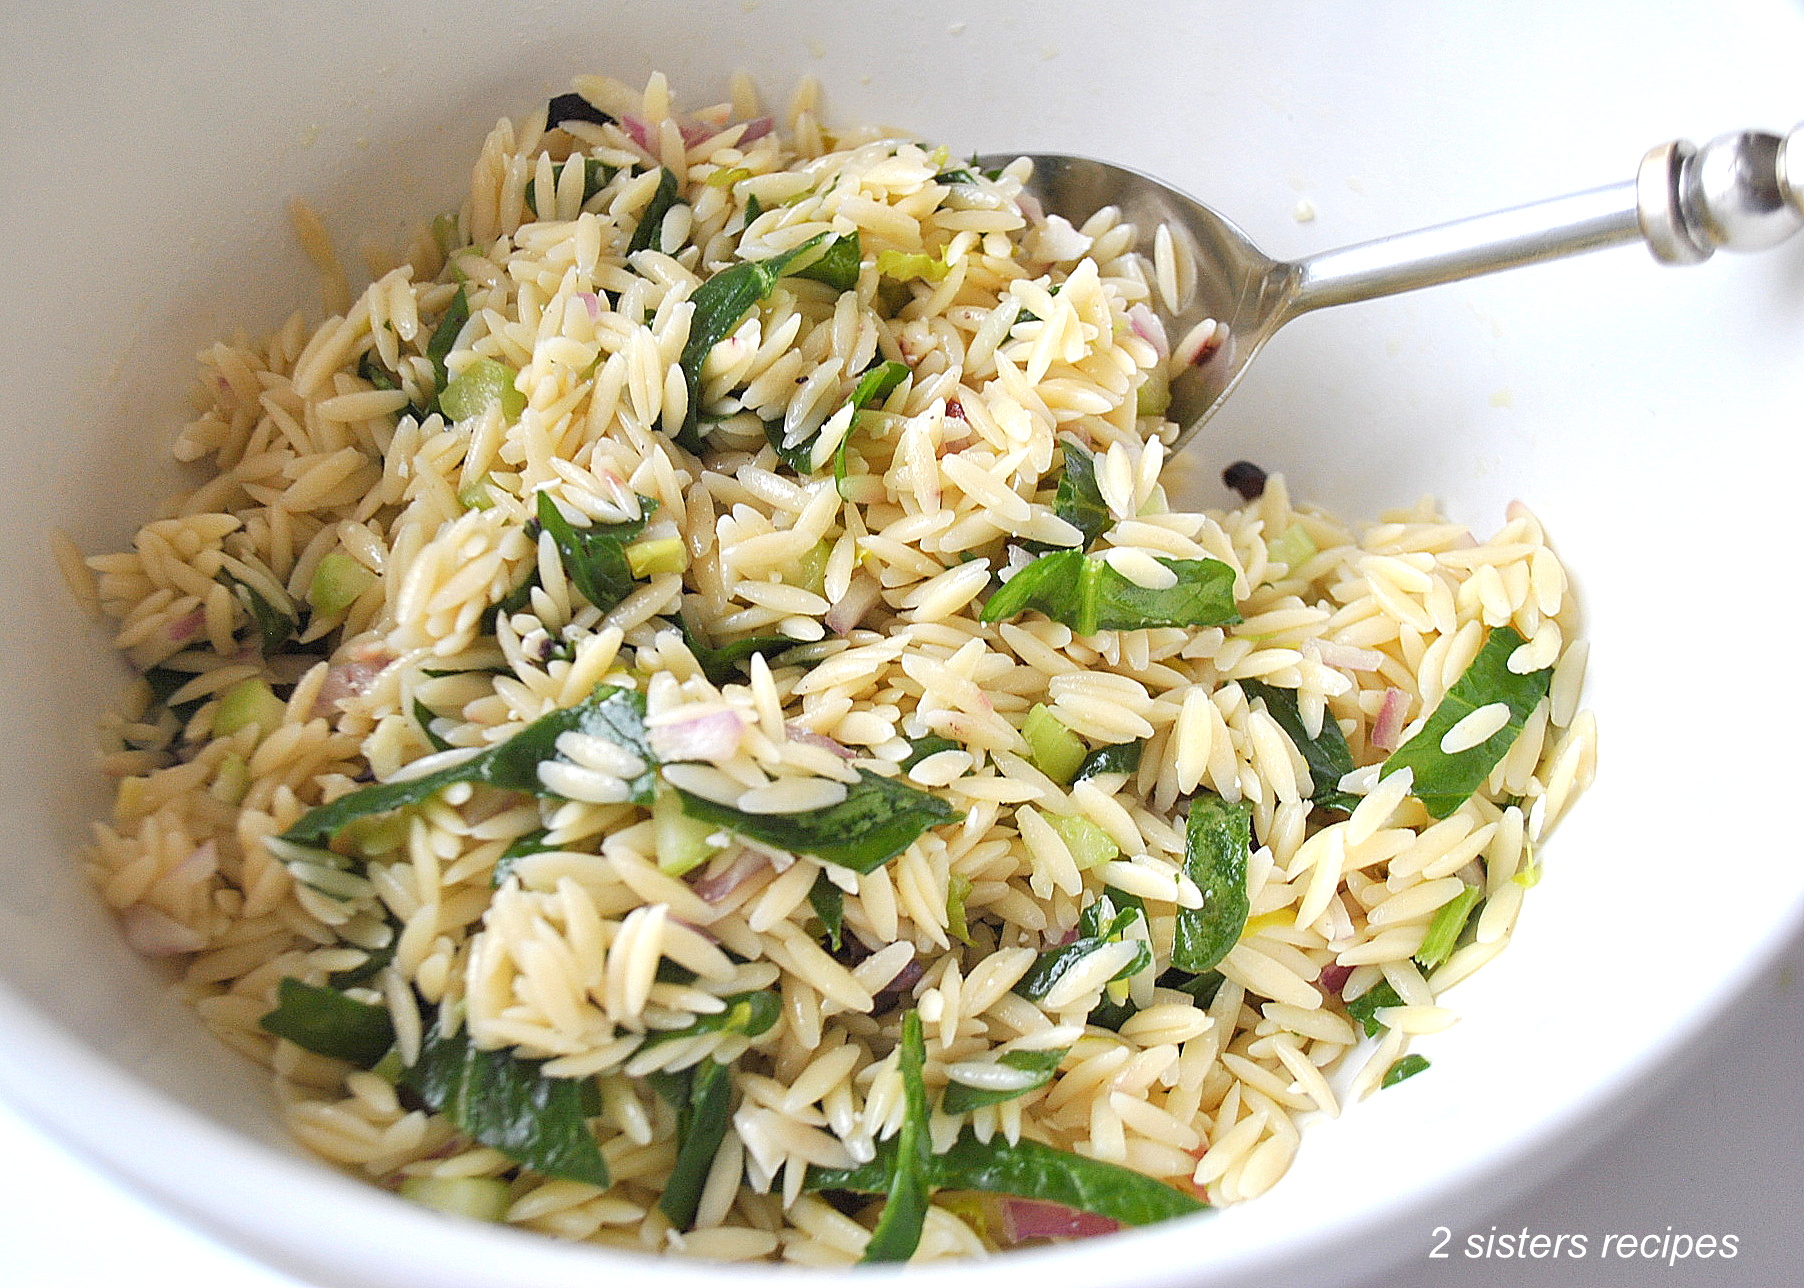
column 1649, row 415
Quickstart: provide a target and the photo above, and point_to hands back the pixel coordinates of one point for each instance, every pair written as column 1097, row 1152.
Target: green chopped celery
column 902, row 265
column 939, row 156
column 648, row 558
column 1154, row 394
column 337, row 581
column 1528, row 876
column 376, row 835
column 480, row 386
column 1444, row 930
column 958, row 889
column 1054, row 749
column 249, row 702
column 481, row 1198
column 810, row 572
column 476, row 495
column 1293, row 547
column 231, row 780
column 727, row 178
column 444, row 232
column 391, row 1068
column 1090, row 846
column 681, row 842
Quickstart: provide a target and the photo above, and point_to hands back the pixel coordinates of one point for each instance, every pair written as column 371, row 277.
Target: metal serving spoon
column 1743, row 191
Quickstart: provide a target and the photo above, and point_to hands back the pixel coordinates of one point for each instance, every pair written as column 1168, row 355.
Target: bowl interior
column 1640, row 411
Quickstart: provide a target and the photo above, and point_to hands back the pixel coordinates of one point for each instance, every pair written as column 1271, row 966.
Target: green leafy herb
column 898, row 1231
column 275, row 624
column 1217, row 839
column 326, row 1022
column 1105, row 921
column 702, row 1118
column 873, row 387
column 164, row 683
column 1326, row 753
column 1408, row 1067
column 1202, row 987
column 595, row 557
column 507, row 1103
column 444, row 336
column 1087, row 595
column 532, row 843
column 375, row 960
column 608, row 712
column 799, row 458
column 829, row 904
column 931, row 745
column 837, row 265
column 721, row 303
column 1028, row 1170
column 878, row 819
column 723, row 662
column 753, row 208
column 651, row 221
column 959, row 1098
column 745, row 1014
column 423, row 716
column 1079, row 500
column 1116, row 758
column 1444, row 780
column 1444, row 931
column 1366, row 1006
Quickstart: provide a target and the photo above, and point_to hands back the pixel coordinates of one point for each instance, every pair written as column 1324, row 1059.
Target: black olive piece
column 574, row 107
column 1245, row 478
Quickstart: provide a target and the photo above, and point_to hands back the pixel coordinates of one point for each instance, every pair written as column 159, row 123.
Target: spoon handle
column 1685, row 202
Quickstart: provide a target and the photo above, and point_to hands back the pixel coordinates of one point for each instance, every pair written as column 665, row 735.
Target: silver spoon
column 1743, row 191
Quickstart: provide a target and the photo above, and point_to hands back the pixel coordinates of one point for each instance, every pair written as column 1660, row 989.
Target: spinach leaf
column 1445, row 929
column 1029, row 1170
column 275, row 624
column 878, row 819
column 373, row 963
column 837, row 265
column 873, row 387
column 651, row 221
column 702, row 1117
column 753, row 208
column 1217, row 839
column 1105, row 921
column 594, row 557
column 1079, row 500
column 1408, row 1067
column 1116, row 758
column 444, row 336
column 898, row 1231
column 746, row 1014
column 164, row 682
column 1087, row 595
column 721, row 303
column 532, row 843
column 959, row 1099
column 1326, row 753
column 1444, row 780
column 799, row 458
column 958, row 892
column 1366, row 1006
column 1202, row 988
column 931, row 745
column 574, row 107
column 422, row 715
column 326, row 1022
column 507, row 1103
column 829, row 904
column 723, row 662
column 608, row 712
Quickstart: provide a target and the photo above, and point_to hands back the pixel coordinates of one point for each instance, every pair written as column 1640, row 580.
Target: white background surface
column 1716, row 1153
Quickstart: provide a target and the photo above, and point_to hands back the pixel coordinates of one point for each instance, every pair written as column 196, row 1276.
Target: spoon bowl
column 1742, row 191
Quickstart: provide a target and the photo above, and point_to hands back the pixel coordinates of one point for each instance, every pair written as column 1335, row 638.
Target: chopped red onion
column 1390, row 720
column 1030, row 207
column 1036, row 1219
column 1347, row 656
column 715, row 888
column 1066, row 936
column 714, row 736
column 155, row 933
column 906, row 978
column 1334, row 978
column 1144, row 323
column 592, row 302
column 755, row 129
column 188, row 625
column 347, row 680
column 637, row 131
column 200, row 865
column 851, row 607
column 802, row 733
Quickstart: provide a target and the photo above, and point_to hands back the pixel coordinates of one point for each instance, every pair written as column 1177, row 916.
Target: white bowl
column 1649, row 415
